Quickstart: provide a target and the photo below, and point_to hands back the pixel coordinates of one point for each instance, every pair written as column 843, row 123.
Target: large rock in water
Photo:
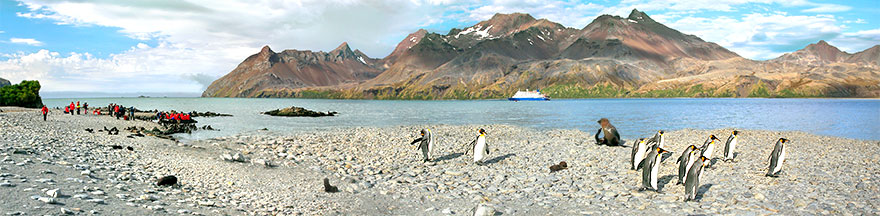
column 4, row 82
column 298, row 111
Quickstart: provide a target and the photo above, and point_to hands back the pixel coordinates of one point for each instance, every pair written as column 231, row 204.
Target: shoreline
column 379, row 173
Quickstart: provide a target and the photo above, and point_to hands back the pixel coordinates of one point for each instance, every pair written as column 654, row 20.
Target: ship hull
column 528, row 99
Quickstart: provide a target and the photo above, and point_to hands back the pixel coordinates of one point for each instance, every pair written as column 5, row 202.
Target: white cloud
column 759, row 35
column 853, row 42
column 165, row 67
column 568, row 13
column 827, row 8
column 207, row 38
column 857, row 21
column 28, row 41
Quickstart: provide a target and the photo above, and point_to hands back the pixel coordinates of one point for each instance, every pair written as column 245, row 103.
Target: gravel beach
column 56, row 167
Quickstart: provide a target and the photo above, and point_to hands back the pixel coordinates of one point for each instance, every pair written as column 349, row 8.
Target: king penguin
column 693, row 178
column 776, row 158
column 709, row 146
column 650, row 168
column 479, row 146
column 730, row 145
column 426, row 143
column 685, row 161
column 657, row 139
column 639, row 151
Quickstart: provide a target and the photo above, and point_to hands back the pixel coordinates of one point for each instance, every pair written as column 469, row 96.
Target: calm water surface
column 852, row 118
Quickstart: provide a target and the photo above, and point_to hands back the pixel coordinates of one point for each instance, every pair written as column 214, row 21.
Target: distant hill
column 613, row 56
column 4, row 82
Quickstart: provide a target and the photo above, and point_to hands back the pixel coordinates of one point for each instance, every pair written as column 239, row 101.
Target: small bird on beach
column 730, row 145
column 426, row 143
column 687, row 158
column 639, row 151
column 479, row 146
column 650, row 168
column 693, row 178
column 329, row 188
column 777, row 156
column 558, row 167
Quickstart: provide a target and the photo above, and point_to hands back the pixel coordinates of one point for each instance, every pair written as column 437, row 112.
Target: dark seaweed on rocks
column 298, row 111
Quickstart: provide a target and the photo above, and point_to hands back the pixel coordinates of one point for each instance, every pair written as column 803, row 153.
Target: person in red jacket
column 66, row 109
column 116, row 111
column 45, row 112
column 72, row 107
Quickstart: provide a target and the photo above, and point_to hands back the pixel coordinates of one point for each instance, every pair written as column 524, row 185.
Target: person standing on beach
column 78, row 107
column 116, row 111
column 45, row 111
column 86, row 108
column 131, row 110
column 72, row 107
column 612, row 138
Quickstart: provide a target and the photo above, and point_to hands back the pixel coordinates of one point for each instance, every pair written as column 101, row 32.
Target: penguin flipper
column 487, row 148
column 641, row 164
column 417, row 140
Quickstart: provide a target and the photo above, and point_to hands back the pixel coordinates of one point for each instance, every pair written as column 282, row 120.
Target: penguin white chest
column 709, row 150
column 731, row 148
column 480, row 149
column 640, row 154
column 690, row 162
column 654, row 170
column 780, row 160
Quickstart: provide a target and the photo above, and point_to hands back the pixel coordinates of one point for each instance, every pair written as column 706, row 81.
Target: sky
column 127, row 46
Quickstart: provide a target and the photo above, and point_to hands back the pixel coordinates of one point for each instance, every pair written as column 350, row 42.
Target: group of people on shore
column 76, row 108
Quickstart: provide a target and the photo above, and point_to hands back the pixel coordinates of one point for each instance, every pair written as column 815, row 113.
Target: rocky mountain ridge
column 612, row 56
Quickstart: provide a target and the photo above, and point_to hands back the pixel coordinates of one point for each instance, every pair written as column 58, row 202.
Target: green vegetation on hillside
column 557, row 90
column 24, row 94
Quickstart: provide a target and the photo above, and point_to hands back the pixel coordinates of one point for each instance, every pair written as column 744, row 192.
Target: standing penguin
column 776, row 158
column 657, row 139
column 685, row 161
column 639, row 151
column 730, row 145
column 650, row 168
column 426, row 143
column 709, row 146
column 693, row 178
column 479, row 146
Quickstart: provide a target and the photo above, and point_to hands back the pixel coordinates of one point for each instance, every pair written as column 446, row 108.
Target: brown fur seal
column 612, row 138
column 557, row 167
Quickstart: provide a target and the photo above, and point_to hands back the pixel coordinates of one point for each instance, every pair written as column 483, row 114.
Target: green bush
column 24, row 94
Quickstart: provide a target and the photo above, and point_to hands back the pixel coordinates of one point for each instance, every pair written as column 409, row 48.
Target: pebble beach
column 56, row 167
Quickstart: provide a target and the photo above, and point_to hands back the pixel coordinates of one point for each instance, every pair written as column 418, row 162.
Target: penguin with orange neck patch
column 479, row 146
column 426, row 144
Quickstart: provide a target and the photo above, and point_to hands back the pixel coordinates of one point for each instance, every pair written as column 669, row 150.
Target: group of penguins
column 645, row 156
column 478, row 146
column 693, row 159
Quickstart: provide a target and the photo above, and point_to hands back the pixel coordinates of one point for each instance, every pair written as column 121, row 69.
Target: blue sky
column 183, row 45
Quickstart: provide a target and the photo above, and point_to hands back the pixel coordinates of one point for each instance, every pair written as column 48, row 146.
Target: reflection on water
column 853, row 118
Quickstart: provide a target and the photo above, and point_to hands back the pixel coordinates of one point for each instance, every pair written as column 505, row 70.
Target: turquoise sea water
column 852, row 118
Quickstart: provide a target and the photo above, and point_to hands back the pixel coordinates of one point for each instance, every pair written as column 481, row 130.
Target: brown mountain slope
column 611, row 57
column 293, row 69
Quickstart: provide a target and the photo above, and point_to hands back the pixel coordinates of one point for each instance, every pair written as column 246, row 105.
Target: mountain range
column 613, row 56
